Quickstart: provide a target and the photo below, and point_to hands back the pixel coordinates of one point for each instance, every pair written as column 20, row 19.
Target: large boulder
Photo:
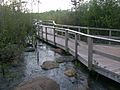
column 70, row 72
column 39, row 83
column 49, row 65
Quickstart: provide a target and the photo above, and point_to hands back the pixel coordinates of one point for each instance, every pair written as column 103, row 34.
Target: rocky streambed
column 54, row 70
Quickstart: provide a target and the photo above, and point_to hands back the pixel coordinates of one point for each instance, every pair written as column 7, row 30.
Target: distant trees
column 60, row 16
column 95, row 13
column 104, row 13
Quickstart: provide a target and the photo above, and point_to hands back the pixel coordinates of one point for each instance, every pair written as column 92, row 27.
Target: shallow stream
column 30, row 67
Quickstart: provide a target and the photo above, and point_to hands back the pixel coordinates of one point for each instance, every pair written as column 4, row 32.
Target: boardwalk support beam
column 90, row 53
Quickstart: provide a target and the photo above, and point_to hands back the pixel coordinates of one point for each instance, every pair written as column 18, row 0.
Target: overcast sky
column 47, row 5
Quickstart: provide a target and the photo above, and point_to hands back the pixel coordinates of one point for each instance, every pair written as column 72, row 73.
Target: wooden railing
column 90, row 38
column 88, row 30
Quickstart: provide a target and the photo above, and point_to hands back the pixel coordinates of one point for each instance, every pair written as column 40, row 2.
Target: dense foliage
column 15, row 26
column 59, row 16
column 95, row 13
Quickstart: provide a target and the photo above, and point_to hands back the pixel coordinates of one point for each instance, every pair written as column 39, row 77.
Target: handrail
column 87, row 30
column 91, row 51
column 83, row 34
column 93, row 28
column 81, row 27
column 46, row 31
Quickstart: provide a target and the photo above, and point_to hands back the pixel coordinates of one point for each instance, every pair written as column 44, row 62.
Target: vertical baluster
column 38, row 31
column 66, row 40
column 79, row 34
column 90, row 53
column 46, row 33
column 110, row 34
column 88, row 31
column 54, row 31
column 76, row 44
column 42, row 32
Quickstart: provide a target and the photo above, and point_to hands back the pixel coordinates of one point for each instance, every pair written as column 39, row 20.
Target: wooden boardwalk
column 103, row 63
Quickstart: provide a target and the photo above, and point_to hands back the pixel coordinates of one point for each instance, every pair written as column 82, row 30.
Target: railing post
column 88, row 31
column 46, row 33
column 54, row 36
column 76, row 44
column 90, row 53
column 110, row 34
column 79, row 34
column 38, row 31
column 66, row 40
column 41, row 32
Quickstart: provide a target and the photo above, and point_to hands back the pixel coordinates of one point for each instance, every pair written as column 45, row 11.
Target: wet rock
column 29, row 49
column 70, row 72
column 58, row 50
column 49, row 65
column 39, row 83
column 81, row 87
column 63, row 59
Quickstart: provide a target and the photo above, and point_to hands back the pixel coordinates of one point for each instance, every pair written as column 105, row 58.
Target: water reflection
column 30, row 68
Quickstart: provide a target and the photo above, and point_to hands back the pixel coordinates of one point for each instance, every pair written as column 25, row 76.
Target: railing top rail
column 83, row 34
column 93, row 28
column 81, row 27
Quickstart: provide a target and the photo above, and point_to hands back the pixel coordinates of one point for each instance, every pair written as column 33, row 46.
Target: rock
column 58, row 50
column 81, row 87
column 49, row 65
column 70, row 72
column 29, row 49
column 39, row 83
column 63, row 59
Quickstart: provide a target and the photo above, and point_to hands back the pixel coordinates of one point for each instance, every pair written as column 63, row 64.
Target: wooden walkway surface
column 103, row 65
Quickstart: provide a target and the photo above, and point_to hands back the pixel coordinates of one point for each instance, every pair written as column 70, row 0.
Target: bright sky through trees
column 47, row 5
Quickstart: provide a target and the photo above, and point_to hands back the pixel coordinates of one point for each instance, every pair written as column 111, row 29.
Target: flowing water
column 30, row 67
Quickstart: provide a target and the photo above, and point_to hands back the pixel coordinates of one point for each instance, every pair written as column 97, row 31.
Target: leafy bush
column 15, row 27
